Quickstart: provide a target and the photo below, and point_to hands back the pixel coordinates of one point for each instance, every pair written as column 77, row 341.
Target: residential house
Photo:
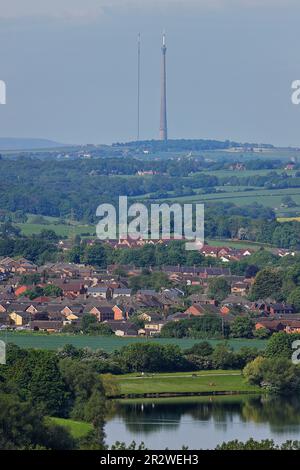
column 5, row 320
column 150, row 316
column 123, row 328
column 121, row 292
column 178, row 316
column 173, row 292
column 240, row 288
column 25, row 267
column 20, row 318
column 202, row 299
column 46, row 325
column 234, row 300
column 21, row 266
column 151, row 328
column 200, row 310
column 119, row 313
column 202, row 272
column 271, row 325
column 3, row 308
column 100, row 291
column 102, row 312
column 71, row 288
column 279, row 309
column 72, row 312
column 292, row 326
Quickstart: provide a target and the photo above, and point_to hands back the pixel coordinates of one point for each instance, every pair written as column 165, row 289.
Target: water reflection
column 280, row 413
column 214, row 419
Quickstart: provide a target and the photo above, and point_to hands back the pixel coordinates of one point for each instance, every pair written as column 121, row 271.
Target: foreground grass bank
column 190, row 383
column 109, row 343
column 77, row 429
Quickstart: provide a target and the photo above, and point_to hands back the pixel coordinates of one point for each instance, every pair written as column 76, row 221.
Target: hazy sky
column 70, row 69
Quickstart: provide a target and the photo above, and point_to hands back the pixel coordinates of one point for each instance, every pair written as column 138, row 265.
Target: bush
column 223, row 357
column 242, row 327
column 199, row 362
column 262, row 333
column 276, row 375
column 142, row 357
column 253, row 371
column 280, row 345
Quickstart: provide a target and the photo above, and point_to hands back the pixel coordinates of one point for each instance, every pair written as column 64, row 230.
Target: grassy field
column 266, row 197
column 205, row 382
column 60, row 229
column 77, row 429
column 237, row 244
column 108, row 343
column 245, row 173
column 65, row 229
column 288, row 219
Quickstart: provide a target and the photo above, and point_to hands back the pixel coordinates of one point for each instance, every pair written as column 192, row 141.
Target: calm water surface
column 203, row 422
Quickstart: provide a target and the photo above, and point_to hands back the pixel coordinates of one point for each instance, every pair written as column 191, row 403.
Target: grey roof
column 147, row 292
column 55, row 325
column 127, row 327
column 97, row 290
column 120, row 291
column 197, row 270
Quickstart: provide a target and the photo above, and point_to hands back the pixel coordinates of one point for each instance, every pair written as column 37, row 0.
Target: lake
column 203, row 422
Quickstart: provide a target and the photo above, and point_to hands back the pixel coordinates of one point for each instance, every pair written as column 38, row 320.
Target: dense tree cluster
column 36, row 384
column 49, row 188
column 36, row 248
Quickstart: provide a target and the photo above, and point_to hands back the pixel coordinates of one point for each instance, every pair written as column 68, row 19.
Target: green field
column 108, row 343
column 77, row 429
column 237, row 244
column 245, row 173
column 288, row 219
column 266, row 197
column 206, row 382
column 62, row 230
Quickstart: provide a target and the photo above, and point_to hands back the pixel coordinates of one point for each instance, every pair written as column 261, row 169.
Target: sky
column 70, row 68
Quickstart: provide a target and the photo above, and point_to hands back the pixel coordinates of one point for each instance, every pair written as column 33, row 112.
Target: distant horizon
column 53, row 144
column 70, row 69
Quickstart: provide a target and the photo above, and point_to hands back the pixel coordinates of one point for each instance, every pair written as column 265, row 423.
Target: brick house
column 200, row 310
column 103, row 313
column 272, row 325
column 279, row 309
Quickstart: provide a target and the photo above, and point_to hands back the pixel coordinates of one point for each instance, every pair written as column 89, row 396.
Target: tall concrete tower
column 163, row 130
column 139, row 87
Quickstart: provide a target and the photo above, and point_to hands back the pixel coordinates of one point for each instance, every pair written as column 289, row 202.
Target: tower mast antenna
column 138, row 86
column 163, row 130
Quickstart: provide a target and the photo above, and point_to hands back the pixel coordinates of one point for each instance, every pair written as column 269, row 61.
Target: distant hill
column 7, row 143
column 189, row 145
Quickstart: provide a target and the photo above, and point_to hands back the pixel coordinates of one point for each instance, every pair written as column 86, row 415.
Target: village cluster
column 78, row 290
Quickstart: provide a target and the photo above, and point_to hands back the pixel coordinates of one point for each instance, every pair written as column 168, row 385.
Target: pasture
column 205, row 382
column 62, row 230
column 266, row 197
column 77, row 429
column 108, row 343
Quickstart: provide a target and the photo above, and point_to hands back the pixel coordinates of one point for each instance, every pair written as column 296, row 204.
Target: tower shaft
column 139, row 87
column 163, row 130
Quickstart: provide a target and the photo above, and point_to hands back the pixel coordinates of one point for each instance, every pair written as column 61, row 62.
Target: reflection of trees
column 111, row 409
column 150, row 417
column 219, row 411
column 279, row 413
